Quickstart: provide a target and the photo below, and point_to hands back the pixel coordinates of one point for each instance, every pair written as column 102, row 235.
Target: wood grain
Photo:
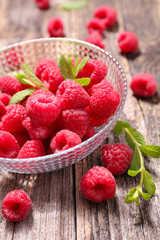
column 59, row 210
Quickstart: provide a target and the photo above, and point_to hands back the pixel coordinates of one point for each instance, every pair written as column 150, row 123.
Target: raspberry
column 127, row 42
column 42, row 4
column 104, row 102
column 2, row 109
column 53, row 77
column 64, row 140
column 31, row 149
column 98, row 184
column 43, row 64
column 72, row 95
column 12, row 120
column 8, row 145
column 143, row 84
column 16, row 205
column 76, row 120
column 89, row 133
column 10, row 85
column 101, row 85
column 94, row 69
column 116, row 157
column 14, row 58
column 21, row 138
column 106, row 14
column 95, row 121
column 95, row 24
column 43, row 107
column 5, row 98
column 37, row 131
column 95, row 38
column 55, row 27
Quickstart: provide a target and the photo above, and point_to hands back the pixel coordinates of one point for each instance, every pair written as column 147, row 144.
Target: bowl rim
column 106, row 125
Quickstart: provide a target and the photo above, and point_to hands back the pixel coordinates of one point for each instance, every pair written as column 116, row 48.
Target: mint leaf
column 137, row 136
column 132, row 196
column 151, row 150
column 135, row 162
column 81, row 65
column 133, row 173
column 148, row 183
column 130, row 140
column 119, row 127
column 32, row 76
column 76, row 62
column 66, row 68
column 73, row 5
column 82, row 81
column 19, row 96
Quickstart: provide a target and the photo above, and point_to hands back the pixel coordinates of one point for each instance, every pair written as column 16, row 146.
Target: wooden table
column 59, row 210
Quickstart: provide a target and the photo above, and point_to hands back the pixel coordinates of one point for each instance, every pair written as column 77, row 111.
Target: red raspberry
column 95, row 121
column 64, row 140
column 127, row 42
column 10, row 85
column 12, row 120
column 106, row 14
column 101, row 85
column 90, row 132
column 55, row 27
column 5, row 98
column 2, row 109
column 16, row 205
column 37, row 131
column 53, row 77
column 116, row 157
column 98, row 184
column 14, row 58
column 43, row 64
column 94, row 69
column 104, row 102
column 42, row 4
column 43, row 107
column 143, row 84
column 21, row 138
column 76, row 120
column 8, row 145
column 95, row 38
column 31, row 149
column 72, row 95
column 95, row 24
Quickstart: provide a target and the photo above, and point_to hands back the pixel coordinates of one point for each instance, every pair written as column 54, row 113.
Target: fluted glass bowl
column 30, row 52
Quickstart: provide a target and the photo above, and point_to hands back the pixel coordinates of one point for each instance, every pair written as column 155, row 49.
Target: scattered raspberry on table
column 95, row 24
column 16, row 205
column 106, row 14
column 98, row 184
column 95, row 38
column 127, row 42
column 42, row 4
column 55, row 27
column 143, row 85
column 116, row 157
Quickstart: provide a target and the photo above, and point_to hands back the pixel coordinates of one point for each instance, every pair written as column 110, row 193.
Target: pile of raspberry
column 50, row 121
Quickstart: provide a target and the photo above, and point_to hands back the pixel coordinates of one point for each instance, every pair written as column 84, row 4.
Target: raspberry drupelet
column 98, row 184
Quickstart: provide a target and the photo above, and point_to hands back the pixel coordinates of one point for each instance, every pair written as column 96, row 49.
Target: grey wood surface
column 59, row 210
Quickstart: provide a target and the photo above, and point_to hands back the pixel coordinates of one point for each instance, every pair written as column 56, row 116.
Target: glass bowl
column 30, row 52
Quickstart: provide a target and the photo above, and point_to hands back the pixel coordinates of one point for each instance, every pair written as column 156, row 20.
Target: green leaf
column 119, row 127
column 82, row 81
column 129, row 140
column 81, row 65
column 76, row 62
column 32, row 76
column 148, row 183
column 132, row 196
column 151, row 150
column 73, row 5
column 146, row 196
column 65, row 67
column 137, row 136
column 133, row 173
column 135, row 162
column 19, row 96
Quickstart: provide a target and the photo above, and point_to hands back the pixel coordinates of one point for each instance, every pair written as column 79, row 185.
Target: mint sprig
column 137, row 142
column 70, row 71
column 73, row 5
column 28, row 78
